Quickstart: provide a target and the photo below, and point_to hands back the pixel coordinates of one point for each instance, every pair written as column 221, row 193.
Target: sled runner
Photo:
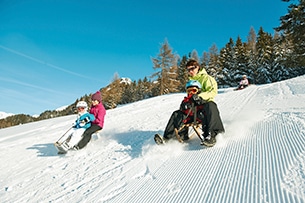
column 191, row 121
column 96, row 135
column 62, row 144
column 60, row 147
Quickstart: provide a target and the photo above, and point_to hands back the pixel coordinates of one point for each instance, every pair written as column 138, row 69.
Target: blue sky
column 53, row 52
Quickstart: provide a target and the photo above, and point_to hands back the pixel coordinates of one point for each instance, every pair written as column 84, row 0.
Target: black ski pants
column 175, row 121
column 87, row 135
column 212, row 119
column 210, row 123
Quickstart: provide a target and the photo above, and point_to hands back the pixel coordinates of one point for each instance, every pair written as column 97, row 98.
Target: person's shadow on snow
column 44, row 150
column 136, row 140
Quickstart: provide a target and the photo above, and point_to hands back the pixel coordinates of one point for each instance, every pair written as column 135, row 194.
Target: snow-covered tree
column 264, row 58
column 292, row 28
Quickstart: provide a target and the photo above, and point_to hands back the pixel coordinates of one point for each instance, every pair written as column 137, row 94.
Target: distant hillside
column 120, row 91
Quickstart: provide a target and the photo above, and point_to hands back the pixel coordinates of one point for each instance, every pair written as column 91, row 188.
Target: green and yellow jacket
column 209, row 85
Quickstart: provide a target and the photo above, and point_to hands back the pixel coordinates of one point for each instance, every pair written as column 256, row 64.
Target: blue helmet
column 193, row 83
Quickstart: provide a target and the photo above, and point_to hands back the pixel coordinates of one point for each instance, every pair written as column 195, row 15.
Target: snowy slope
column 4, row 115
column 260, row 158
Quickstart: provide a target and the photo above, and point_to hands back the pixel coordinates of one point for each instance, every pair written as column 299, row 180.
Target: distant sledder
column 243, row 83
column 72, row 137
column 197, row 110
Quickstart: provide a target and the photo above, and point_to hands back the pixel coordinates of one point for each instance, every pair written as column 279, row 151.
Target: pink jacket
column 99, row 113
column 244, row 82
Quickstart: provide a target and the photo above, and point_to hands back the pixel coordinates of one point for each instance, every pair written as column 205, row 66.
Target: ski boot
column 159, row 140
column 209, row 140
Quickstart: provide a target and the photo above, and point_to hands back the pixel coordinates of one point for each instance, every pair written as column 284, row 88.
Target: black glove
column 185, row 105
column 86, row 120
column 198, row 100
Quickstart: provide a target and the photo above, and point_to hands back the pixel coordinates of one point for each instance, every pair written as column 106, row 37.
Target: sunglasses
column 192, row 90
column 191, row 68
column 80, row 108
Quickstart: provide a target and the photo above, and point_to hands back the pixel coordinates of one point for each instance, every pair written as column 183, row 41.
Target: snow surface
column 260, row 158
column 4, row 115
column 61, row 108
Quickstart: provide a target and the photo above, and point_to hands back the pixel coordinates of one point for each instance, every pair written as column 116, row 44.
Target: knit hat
column 97, row 96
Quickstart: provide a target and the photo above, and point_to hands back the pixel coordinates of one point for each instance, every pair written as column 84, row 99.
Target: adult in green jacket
column 209, row 114
column 209, row 85
column 212, row 124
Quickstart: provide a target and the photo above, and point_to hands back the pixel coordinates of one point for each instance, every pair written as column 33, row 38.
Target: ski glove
column 86, row 120
column 198, row 100
column 185, row 106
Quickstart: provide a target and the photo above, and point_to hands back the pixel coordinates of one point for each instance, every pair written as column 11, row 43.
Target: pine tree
column 250, row 50
column 213, row 65
column 205, row 60
column 279, row 72
column 292, row 29
column 226, row 60
column 264, row 48
column 182, row 74
column 166, row 64
column 241, row 60
column 128, row 94
column 194, row 55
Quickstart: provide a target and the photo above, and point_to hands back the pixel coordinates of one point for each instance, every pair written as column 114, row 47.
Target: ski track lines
column 233, row 104
column 256, row 175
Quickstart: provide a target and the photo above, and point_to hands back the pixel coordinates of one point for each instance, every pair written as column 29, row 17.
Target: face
column 192, row 90
column 95, row 102
column 192, row 70
column 80, row 109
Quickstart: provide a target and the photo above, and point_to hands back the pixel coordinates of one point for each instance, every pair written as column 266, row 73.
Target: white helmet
column 82, row 104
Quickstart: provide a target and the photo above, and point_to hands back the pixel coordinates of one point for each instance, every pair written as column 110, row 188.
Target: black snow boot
column 209, row 140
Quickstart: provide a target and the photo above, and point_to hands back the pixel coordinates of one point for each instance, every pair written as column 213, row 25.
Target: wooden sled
column 196, row 125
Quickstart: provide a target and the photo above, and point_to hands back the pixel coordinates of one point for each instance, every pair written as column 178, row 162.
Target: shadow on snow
column 135, row 139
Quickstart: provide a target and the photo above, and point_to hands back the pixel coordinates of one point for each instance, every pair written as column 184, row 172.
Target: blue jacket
column 84, row 121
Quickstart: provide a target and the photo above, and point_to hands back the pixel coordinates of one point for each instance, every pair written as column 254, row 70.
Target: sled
column 62, row 144
column 194, row 121
column 195, row 124
column 190, row 122
column 241, row 87
column 96, row 135
column 61, row 149
column 191, row 125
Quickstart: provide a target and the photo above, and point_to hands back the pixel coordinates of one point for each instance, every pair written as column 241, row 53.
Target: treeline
column 264, row 58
